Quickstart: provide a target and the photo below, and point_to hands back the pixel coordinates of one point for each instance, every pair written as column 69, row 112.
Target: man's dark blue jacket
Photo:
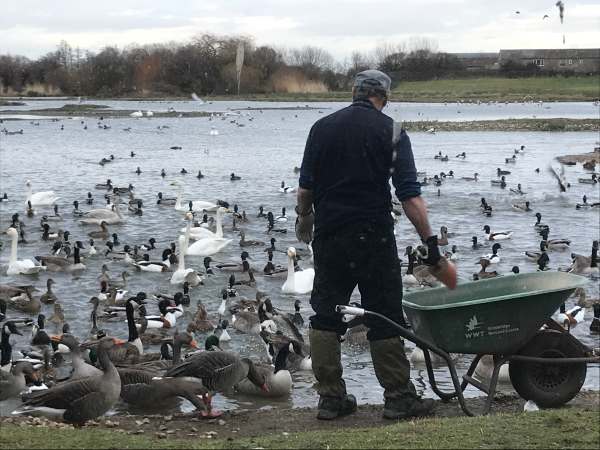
column 349, row 158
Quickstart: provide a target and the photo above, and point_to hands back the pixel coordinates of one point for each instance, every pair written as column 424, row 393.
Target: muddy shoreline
column 245, row 423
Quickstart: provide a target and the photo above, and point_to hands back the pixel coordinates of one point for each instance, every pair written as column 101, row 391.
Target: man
column 349, row 158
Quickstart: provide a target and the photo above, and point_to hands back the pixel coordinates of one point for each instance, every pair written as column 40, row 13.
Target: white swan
column 97, row 216
column 485, row 367
column 136, row 114
column 15, row 266
column 197, row 205
column 182, row 274
column 43, row 198
column 207, row 246
column 297, row 282
column 201, row 232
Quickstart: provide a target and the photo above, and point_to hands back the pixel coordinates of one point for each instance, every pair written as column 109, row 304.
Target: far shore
column 95, row 111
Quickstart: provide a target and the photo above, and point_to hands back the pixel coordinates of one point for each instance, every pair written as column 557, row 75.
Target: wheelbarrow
column 508, row 318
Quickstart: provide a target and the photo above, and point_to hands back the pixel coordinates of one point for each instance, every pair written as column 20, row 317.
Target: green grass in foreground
column 568, row 428
column 501, row 89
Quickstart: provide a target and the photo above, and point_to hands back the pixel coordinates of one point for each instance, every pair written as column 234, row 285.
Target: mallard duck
column 555, row 244
column 251, row 281
column 221, row 331
column 521, row 207
column 482, row 274
column 242, row 266
column 542, row 262
column 102, row 233
column 592, row 180
column 25, row 302
column 538, row 225
column 200, row 322
column 518, row 190
column 248, row 243
column 49, row 296
column 493, row 258
column 165, row 201
column 585, row 204
column 151, row 266
column 271, row 269
column 534, row 256
column 499, row 236
column 282, row 217
column 475, row 177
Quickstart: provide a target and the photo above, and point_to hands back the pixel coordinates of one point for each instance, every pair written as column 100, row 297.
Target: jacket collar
column 363, row 103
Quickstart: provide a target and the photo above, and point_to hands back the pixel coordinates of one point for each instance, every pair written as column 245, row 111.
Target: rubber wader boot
column 393, row 373
column 325, row 352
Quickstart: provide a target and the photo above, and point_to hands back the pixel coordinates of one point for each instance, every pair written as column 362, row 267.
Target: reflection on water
column 264, row 152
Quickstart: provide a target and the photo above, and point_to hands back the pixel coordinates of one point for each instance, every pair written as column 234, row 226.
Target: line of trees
column 206, row 65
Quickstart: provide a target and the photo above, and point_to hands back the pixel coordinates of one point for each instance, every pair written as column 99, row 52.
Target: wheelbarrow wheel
column 549, row 385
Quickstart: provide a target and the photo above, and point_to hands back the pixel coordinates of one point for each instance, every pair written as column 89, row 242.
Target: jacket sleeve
column 404, row 172
column 307, row 169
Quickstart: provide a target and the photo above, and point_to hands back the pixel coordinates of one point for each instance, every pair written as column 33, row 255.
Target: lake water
column 264, row 152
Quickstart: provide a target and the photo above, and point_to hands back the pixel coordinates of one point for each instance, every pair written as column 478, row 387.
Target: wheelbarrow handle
column 350, row 310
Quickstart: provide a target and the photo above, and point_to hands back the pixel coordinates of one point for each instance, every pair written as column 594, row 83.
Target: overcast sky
column 35, row 27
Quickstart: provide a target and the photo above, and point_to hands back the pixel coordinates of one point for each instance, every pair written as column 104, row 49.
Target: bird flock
column 76, row 376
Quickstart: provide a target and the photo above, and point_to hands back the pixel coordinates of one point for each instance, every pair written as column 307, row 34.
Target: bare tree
column 310, row 56
column 418, row 43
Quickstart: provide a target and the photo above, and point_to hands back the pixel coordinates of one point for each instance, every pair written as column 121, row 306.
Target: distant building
column 478, row 61
column 575, row 60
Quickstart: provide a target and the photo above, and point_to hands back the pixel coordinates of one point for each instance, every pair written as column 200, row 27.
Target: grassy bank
column 467, row 90
column 507, row 125
column 565, row 428
column 501, row 89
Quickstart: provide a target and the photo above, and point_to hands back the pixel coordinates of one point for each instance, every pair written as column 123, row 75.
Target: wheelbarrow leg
column 445, row 396
column 489, row 389
column 493, row 384
column 468, row 376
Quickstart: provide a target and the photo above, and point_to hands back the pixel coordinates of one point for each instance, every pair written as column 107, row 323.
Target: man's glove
column 432, row 256
column 304, row 226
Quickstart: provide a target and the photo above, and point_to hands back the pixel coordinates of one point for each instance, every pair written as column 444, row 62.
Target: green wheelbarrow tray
column 493, row 316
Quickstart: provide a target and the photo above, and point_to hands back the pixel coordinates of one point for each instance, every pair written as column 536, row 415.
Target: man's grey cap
column 372, row 79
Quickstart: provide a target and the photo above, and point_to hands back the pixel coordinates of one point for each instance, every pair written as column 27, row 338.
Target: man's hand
column 304, row 227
